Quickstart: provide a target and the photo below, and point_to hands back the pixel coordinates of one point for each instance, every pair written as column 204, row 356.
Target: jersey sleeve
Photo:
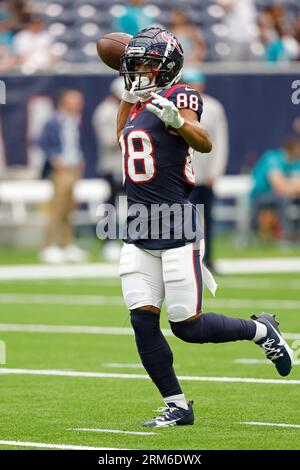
column 187, row 97
column 273, row 164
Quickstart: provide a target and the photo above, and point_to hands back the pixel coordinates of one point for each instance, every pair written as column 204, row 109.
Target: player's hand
column 167, row 111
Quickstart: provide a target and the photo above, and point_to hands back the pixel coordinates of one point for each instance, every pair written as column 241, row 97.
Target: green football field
column 72, row 368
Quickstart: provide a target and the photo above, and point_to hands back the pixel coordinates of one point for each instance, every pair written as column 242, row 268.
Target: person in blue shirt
column 61, row 142
column 7, row 57
column 276, row 182
column 134, row 17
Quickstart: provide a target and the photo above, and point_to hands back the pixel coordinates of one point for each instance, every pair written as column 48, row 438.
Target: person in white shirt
column 109, row 165
column 104, row 124
column 33, row 47
column 241, row 21
column 208, row 168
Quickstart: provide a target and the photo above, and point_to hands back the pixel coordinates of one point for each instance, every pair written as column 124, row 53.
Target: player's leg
column 143, row 290
column 53, row 228
column 182, row 272
column 68, row 206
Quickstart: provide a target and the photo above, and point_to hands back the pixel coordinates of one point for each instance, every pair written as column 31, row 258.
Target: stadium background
column 240, row 94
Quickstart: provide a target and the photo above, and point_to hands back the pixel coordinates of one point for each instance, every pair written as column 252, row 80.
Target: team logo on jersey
column 170, row 39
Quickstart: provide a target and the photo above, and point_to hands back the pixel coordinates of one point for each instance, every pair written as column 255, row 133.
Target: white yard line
column 251, row 303
column 105, row 270
column 260, row 361
column 258, row 265
column 279, row 425
column 90, row 330
column 122, row 365
column 59, row 299
column 101, row 375
column 94, row 282
column 67, row 271
column 259, row 284
column 53, row 446
column 291, row 336
column 113, row 431
column 228, row 282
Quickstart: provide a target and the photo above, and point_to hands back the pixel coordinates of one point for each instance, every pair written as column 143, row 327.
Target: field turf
column 46, row 409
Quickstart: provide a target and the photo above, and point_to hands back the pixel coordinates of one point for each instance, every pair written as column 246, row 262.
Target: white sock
column 261, row 331
column 178, row 400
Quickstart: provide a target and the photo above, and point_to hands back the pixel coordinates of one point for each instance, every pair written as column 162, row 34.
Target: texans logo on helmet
column 168, row 38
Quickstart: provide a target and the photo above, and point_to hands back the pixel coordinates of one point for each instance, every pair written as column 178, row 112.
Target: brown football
column 111, row 47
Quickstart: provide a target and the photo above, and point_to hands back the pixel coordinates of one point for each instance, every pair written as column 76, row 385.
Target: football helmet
column 160, row 53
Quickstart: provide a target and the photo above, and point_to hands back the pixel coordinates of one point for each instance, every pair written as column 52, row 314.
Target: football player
column 158, row 126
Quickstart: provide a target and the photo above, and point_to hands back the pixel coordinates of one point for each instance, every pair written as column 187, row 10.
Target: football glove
column 167, row 112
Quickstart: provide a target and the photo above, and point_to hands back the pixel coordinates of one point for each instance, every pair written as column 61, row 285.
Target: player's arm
column 193, row 133
column 284, row 186
column 126, row 104
column 185, row 121
column 123, row 113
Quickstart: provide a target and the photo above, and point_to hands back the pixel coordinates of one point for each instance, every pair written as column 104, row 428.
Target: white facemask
column 141, row 93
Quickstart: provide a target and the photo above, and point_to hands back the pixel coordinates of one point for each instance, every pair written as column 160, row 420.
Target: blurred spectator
column 189, row 36
column 33, row 46
column 208, row 168
column 296, row 125
column 276, row 183
column 20, row 12
column 110, row 160
column 104, row 122
column 7, row 58
column 297, row 31
column 283, row 47
column 240, row 19
column 61, row 142
column 6, row 34
column 134, row 17
column 278, row 34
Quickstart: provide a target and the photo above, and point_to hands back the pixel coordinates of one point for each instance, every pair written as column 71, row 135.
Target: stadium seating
column 80, row 14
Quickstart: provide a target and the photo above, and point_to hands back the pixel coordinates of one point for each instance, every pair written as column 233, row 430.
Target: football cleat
column 274, row 346
column 172, row 415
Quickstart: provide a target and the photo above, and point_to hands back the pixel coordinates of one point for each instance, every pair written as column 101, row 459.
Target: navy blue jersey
column 157, row 168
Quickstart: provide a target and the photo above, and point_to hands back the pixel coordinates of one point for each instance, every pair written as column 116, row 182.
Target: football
column 111, row 47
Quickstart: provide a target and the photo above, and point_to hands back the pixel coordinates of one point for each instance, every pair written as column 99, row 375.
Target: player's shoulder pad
column 185, row 96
